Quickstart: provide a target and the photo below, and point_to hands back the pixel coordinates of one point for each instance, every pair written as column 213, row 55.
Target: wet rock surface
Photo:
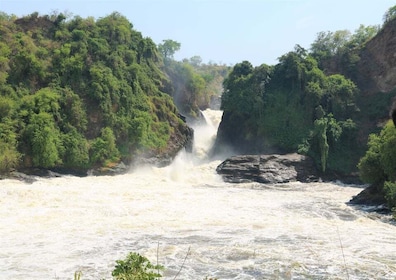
column 269, row 169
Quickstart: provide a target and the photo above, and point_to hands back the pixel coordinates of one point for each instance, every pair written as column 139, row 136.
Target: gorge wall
column 377, row 65
column 299, row 111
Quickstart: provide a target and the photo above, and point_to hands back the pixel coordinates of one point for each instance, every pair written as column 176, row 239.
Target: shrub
column 378, row 166
column 9, row 157
column 104, row 147
column 136, row 267
column 390, row 193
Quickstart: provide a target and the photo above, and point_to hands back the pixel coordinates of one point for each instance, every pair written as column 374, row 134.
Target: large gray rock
column 269, row 169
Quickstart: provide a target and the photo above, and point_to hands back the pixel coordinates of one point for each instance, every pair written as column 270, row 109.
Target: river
column 54, row 227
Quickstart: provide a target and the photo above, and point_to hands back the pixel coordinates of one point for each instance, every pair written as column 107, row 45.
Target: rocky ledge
column 270, row 169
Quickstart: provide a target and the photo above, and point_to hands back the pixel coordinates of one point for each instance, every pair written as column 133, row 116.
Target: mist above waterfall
column 205, row 134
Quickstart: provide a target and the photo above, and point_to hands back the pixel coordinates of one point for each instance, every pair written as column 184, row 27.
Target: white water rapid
column 54, row 227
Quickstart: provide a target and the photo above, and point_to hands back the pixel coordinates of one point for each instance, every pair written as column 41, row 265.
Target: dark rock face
column 369, row 196
column 120, row 168
column 269, row 169
column 229, row 137
column 393, row 112
column 377, row 66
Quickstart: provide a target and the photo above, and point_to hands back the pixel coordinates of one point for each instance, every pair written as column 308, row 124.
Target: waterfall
column 205, row 134
column 55, row 227
column 185, row 164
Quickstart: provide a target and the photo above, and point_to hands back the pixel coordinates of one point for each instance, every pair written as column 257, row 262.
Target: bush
column 370, row 166
column 9, row 157
column 378, row 166
column 390, row 193
column 136, row 267
column 103, row 148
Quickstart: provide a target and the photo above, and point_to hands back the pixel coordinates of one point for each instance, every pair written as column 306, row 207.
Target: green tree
column 73, row 110
column 390, row 195
column 195, row 61
column 9, row 156
column 340, row 96
column 388, row 151
column 44, row 139
column 47, row 100
column 104, row 149
column 378, row 165
column 115, row 28
column 236, row 87
column 390, row 14
column 76, row 151
column 320, row 131
column 168, row 48
column 362, row 35
column 328, row 44
column 4, row 62
column 370, row 165
column 294, row 67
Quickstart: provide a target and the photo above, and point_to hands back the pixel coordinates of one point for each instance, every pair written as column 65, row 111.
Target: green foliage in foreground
column 378, row 166
column 136, row 267
column 133, row 267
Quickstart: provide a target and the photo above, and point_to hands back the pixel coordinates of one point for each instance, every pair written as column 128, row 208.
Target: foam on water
column 54, row 227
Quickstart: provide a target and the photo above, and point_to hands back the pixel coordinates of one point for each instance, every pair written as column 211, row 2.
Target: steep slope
column 80, row 93
column 377, row 65
column 376, row 79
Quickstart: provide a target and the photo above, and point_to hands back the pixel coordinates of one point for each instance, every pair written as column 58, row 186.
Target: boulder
column 270, row 169
column 372, row 195
column 119, row 168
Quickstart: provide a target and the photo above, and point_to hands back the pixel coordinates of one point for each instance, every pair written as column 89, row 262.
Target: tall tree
column 390, row 14
column 168, row 48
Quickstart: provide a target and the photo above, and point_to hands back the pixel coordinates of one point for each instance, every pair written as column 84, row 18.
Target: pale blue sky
column 224, row 31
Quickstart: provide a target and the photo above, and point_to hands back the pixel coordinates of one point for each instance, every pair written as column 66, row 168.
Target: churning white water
column 55, row 227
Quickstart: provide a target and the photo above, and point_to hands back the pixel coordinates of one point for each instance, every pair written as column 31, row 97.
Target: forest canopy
column 308, row 103
column 82, row 92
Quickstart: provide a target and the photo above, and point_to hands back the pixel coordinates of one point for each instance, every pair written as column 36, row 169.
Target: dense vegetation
column 378, row 166
column 308, row 103
column 294, row 106
column 77, row 93
column 195, row 86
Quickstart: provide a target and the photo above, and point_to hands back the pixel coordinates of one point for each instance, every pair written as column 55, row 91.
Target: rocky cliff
column 376, row 79
column 377, row 65
column 281, row 111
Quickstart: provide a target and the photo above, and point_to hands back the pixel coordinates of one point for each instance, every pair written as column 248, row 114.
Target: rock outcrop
column 269, row 169
column 372, row 195
column 180, row 139
column 377, row 65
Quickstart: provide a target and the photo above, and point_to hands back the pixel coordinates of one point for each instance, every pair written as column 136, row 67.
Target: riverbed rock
column 372, row 195
column 181, row 138
column 117, row 169
column 270, row 169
